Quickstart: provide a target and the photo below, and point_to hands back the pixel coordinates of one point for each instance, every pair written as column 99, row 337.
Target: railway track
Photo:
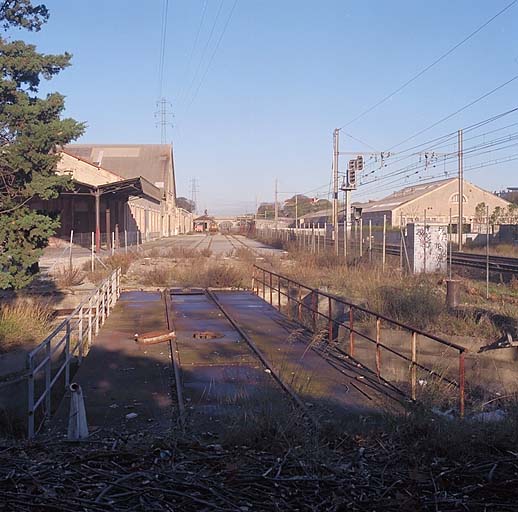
column 218, row 370
column 233, row 239
column 470, row 260
column 460, row 259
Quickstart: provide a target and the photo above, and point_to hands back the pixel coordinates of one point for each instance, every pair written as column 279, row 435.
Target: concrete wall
column 84, row 171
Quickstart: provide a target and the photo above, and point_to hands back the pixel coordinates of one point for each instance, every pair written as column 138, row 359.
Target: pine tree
column 31, row 128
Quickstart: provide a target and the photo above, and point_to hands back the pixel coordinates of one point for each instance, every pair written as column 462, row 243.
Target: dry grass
column 416, row 300
column 207, row 274
column 69, row 276
column 23, row 321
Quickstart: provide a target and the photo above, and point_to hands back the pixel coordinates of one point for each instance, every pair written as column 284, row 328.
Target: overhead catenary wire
column 202, row 56
column 195, row 44
column 213, row 54
column 430, row 66
column 162, row 51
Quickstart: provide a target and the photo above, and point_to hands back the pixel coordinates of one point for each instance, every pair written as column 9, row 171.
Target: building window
column 455, row 198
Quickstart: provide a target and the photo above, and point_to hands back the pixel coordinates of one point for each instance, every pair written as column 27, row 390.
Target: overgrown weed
column 68, row 276
column 23, row 321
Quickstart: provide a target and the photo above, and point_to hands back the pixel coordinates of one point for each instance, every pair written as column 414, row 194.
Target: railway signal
column 354, row 166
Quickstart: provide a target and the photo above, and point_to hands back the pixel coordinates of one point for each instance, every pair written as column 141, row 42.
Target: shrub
column 415, row 304
column 69, row 276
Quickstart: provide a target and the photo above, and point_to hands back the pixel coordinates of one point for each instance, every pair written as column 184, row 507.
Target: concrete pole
column 92, row 260
column 370, row 240
column 361, row 237
column 487, row 252
column 70, row 248
column 384, row 239
column 336, row 133
column 97, row 221
column 461, row 187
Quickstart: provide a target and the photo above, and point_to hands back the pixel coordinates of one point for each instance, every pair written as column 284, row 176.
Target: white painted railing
column 48, row 365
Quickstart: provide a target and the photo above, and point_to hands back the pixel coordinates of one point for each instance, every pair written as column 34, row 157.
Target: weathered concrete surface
column 119, row 377
column 287, row 350
column 221, row 376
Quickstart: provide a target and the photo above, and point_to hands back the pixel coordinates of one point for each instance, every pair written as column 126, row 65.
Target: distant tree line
column 298, row 205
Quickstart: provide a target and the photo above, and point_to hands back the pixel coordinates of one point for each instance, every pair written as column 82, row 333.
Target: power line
column 470, row 104
column 214, row 53
column 204, row 51
column 196, row 39
column 163, row 37
column 427, row 68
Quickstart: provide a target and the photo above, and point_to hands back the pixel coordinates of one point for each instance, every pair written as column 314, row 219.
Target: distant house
column 435, row 200
column 118, row 190
column 205, row 224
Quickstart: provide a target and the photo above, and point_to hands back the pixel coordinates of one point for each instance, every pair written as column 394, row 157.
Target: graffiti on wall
column 427, row 247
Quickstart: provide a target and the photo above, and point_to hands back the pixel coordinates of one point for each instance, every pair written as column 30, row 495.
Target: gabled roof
column 152, row 161
column 404, row 195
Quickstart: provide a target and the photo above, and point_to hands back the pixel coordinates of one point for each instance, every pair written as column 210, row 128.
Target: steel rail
column 296, row 399
column 313, row 309
column 173, row 351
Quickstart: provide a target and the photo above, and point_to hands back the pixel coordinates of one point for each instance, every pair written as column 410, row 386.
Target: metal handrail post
column 80, row 335
column 351, row 331
column 67, row 355
column 413, row 368
column 378, row 348
column 30, row 397
column 48, row 375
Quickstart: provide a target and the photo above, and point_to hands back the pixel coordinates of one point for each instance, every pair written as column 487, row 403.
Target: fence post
column 378, row 348
column 126, row 241
column 299, row 305
column 462, row 378
column 314, row 307
column 92, row 262
column 48, row 375
column 80, row 334
column 97, row 312
column 271, row 289
column 370, row 240
column 253, row 279
column 90, row 326
column 279, row 293
column 30, row 397
column 330, row 320
column 351, row 332
column 384, row 240
column 361, row 237
column 264, row 285
column 413, row 369
column 67, row 355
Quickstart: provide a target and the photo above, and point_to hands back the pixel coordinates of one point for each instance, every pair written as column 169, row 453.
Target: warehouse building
column 434, row 200
column 118, row 190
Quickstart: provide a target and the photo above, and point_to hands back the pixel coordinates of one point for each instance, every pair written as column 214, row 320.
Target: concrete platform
column 119, row 377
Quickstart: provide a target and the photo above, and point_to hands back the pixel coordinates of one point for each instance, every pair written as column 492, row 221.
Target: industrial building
column 434, row 200
column 118, row 190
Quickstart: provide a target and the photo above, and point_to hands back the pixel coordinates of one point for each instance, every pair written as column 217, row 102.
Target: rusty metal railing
column 272, row 287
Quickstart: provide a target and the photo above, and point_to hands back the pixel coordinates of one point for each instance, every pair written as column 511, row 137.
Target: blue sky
column 285, row 74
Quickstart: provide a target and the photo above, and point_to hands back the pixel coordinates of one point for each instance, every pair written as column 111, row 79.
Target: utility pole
column 461, row 188
column 336, row 133
column 276, row 204
column 297, row 212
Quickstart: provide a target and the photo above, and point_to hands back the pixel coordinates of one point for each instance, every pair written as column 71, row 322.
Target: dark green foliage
column 30, row 130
